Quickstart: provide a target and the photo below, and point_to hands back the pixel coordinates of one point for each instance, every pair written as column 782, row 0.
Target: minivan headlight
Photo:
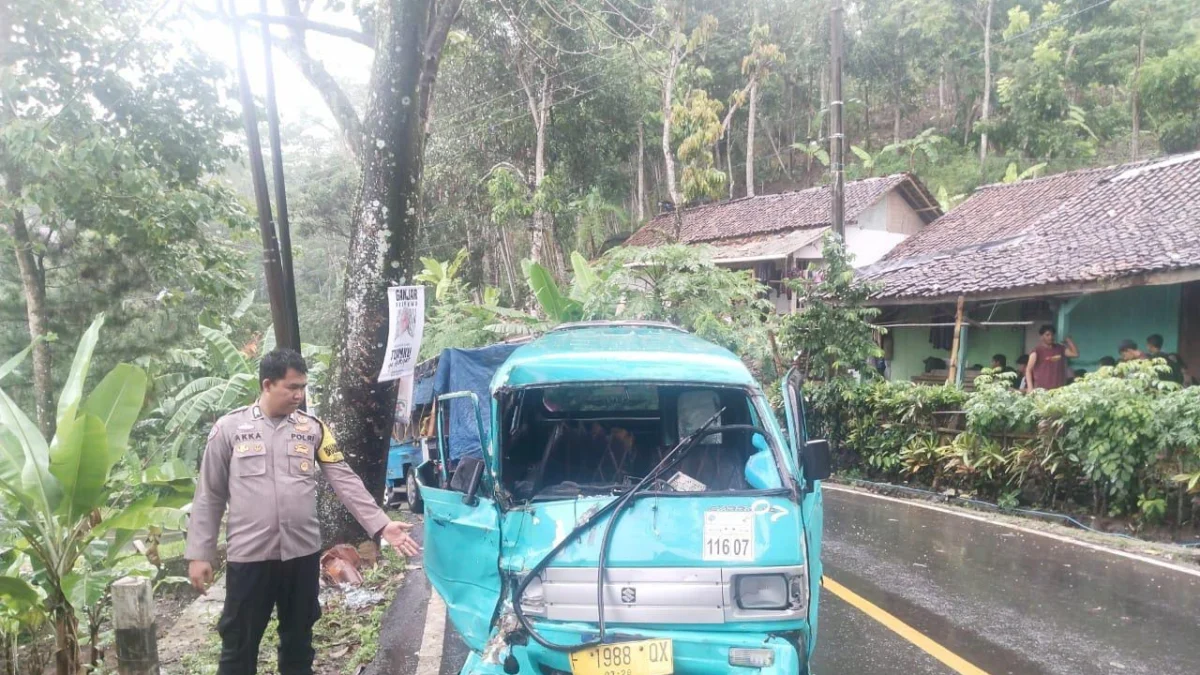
column 762, row 591
column 533, row 600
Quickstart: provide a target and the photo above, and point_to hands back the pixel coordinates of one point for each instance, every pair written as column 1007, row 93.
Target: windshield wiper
column 668, row 461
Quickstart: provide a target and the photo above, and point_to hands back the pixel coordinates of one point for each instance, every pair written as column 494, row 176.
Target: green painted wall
column 912, row 347
column 1099, row 322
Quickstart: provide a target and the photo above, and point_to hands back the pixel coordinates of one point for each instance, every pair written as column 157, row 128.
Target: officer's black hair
column 1155, row 341
column 1047, row 328
column 1001, row 359
column 277, row 362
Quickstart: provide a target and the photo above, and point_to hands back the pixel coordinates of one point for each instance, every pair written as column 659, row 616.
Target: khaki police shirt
column 266, row 472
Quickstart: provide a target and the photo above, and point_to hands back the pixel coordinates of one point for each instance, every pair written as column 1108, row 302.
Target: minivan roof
column 621, row 352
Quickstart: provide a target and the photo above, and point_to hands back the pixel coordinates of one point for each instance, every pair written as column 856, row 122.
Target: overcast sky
column 348, row 61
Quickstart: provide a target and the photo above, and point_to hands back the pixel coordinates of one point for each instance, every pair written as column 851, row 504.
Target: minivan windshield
column 571, row 440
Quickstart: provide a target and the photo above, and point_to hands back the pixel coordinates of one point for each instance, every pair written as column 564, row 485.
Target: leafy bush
column 1120, row 439
column 832, row 329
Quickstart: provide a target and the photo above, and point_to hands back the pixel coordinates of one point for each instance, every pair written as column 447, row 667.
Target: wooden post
column 955, row 359
column 133, row 622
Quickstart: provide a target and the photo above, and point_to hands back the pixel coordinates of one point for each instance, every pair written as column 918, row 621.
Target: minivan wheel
column 412, row 492
column 389, row 494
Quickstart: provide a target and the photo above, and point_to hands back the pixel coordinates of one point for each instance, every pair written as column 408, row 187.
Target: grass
column 344, row 638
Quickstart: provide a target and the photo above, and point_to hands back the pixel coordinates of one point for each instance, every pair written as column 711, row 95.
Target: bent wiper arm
column 680, row 449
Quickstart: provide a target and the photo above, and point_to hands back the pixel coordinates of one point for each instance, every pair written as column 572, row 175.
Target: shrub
column 1120, row 439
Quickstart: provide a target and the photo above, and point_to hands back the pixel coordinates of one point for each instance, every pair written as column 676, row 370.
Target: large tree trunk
column 987, row 81
column 896, row 115
column 33, row 285
column 1137, row 78
column 641, row 173
column 729, row 163
column 668, row 156
column 752, row 112
column 382, row 252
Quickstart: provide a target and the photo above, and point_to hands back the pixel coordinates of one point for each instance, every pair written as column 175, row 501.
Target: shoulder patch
column 213, row 433
column 327, row 450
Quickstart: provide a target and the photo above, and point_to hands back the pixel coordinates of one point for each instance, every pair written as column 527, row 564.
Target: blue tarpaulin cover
column 468, row 370
column 423, row 391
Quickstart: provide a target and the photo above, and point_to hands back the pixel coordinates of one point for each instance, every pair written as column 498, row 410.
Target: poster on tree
column 406, row 326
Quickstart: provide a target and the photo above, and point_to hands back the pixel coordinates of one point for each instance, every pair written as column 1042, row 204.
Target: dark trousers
column 252, row 590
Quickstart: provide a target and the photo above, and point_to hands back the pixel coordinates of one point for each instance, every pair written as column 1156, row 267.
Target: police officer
column 262, row 461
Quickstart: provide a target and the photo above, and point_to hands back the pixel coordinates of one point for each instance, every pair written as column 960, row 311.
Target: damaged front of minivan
column 637, row 511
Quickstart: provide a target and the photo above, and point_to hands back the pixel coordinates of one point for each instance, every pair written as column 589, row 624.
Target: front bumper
column 696, row 652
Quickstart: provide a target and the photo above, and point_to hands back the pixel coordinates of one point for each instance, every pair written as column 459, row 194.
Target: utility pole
column 272, row 268
column 837, row 138
column 281, row 209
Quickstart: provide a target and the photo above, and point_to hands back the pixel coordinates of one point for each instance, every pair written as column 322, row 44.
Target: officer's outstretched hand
column 200, row 573
column 396, row 534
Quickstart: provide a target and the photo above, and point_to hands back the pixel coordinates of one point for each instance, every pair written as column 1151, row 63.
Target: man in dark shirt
column 1000, row 362
column 1128, row 351
column 1047, row 367
column 1154, row 350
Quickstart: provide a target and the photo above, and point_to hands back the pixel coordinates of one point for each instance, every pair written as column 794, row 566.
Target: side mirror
column 816, row 460
column 466, row 479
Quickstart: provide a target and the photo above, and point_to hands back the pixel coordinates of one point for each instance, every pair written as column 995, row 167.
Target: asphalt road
column 918, row 590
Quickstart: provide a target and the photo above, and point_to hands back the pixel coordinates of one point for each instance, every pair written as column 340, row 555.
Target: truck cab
column 636, row 509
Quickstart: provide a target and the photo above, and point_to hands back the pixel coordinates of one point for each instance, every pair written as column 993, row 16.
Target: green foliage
column 1122, row 434
column 832, row 329
column 698, row 124
column 924, row 144
column 60, row 498
column 111, row 141
column 681, row 285
column 455, row 319
column 1170, row 87
column 676, row 284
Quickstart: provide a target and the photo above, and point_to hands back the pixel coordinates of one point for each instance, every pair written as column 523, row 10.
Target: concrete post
column 133, row 621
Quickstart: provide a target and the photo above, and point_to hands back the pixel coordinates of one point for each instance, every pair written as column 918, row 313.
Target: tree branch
column 435, row 41
column 331, row 92
column 303, row 23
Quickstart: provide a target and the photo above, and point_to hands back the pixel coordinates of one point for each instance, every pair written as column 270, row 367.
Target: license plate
column 645, row 657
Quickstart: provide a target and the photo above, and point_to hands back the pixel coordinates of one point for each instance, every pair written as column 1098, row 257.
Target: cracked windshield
column 599, row 337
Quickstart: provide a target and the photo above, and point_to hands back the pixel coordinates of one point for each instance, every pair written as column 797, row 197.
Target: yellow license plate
column 645, row 657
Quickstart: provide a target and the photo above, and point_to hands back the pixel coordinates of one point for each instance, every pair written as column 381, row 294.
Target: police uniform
column 266, row 471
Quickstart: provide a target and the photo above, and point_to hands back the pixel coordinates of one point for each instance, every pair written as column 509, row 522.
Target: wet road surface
column 998, row 599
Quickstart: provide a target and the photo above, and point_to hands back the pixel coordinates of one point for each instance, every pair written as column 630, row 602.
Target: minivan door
column 462, row 533
column 811, row 503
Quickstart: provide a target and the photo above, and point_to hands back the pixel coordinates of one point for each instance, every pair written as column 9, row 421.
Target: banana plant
column 62, row 498
column 554, row 305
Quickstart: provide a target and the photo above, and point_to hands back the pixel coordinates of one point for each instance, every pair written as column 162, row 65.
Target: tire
column 389, row 494
column 412, row 492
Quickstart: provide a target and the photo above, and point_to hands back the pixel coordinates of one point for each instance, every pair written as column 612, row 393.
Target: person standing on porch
column 1047, row 367
column 1154, row 350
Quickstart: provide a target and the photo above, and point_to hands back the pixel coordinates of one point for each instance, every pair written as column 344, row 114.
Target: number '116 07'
column 737, row 547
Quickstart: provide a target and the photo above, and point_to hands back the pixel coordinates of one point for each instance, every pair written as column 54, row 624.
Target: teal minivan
column 634, row 509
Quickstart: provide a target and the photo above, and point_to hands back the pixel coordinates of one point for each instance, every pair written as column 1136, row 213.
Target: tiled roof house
column 1103, row 254
column 779, row 235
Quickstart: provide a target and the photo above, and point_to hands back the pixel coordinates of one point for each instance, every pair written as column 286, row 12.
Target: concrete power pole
column 837, row 137
column 272, row 267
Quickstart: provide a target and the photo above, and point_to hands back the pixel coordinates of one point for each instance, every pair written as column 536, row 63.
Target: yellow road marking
column 955, row 662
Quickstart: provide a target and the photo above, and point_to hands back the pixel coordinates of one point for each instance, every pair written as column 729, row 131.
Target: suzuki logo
column 628, row 595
